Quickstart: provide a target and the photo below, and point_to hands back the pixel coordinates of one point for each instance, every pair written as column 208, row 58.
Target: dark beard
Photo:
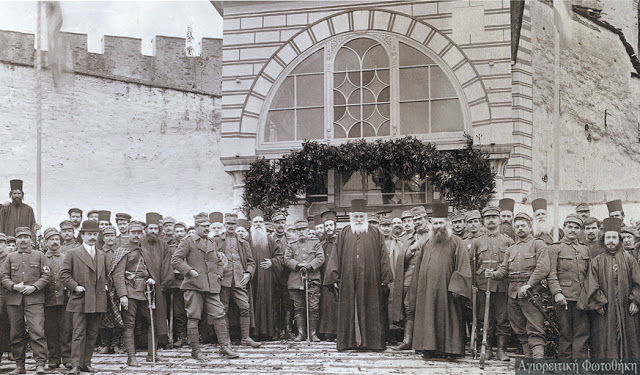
column 16, row 201
column 441, row 235
column 152, row 238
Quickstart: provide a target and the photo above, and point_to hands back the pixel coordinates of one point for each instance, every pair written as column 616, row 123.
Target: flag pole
column 39, row 113
column 556, row 127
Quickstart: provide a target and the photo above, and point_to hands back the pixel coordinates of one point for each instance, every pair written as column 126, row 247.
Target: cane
column 171, row 317
column 148, row 293
column 305, row 277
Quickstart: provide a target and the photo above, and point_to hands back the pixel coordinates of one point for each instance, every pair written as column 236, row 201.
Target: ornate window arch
column 372, row 84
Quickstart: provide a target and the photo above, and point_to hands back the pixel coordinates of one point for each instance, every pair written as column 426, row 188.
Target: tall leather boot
column 526, row 350
column 502, row 351
column 288, row 335
column 537, row 351
column 194, row 341
column 222, row 331
column 313, row 326
column 130, row 346
column 245, row 327
column 408, row 337
column 301, row 323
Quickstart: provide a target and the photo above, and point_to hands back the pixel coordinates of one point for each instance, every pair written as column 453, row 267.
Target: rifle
column 305, row 277
column 474, row 308
column 485, row 326
column 534, row 300
column 149, row 294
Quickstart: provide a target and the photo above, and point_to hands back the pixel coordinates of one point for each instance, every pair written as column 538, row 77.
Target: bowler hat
column 104, row 215
column 89, row 226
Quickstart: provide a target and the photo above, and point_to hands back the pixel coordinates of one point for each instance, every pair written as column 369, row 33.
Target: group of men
column 410, row 277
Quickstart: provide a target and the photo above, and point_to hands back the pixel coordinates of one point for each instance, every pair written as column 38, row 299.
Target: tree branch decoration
column 464, row 177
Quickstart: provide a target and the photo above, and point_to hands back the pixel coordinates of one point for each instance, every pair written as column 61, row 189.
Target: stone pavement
column 287, row 358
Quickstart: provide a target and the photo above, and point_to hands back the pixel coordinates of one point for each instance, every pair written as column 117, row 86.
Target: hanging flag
column 56, row 53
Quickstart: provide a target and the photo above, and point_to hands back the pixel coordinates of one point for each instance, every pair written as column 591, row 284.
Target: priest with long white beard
column 359, row 267
column 269, row 258
column 441, row 282
column 542, row 227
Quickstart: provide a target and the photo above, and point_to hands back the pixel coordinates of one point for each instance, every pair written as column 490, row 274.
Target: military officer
column 67, row 233
column 308, row 255
column 526, row 264
column 487, row 252
column 84, row 274
column 473, row 224
column 198, row 260
column 25, row 276
column 57, row 321
column 457, row 223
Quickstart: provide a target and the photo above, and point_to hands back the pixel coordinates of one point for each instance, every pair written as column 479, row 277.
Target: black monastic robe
column 328, row 298
column 16, row 215
column 360, row 264
column 263, row 286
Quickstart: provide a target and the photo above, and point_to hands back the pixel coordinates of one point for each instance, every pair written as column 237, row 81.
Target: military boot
column 20, row 369
column 313, row 326
column 222, row 331
column 537, row 351
column 408, row 337
column 245, row 327
column 288, row 335
column 194, row 341
column 302, row 328
column 526, row 350
column 130, row 346
column 502, row 351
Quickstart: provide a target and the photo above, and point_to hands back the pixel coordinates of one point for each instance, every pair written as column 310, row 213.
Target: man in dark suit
column 84, row 273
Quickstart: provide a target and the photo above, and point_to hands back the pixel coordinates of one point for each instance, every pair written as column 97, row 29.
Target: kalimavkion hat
column 440, row 210
column 153, row 218
column 104, row 215
column 506, row 204
column 611, row 224
column 359, row 205
column 329, row 215
column 615, row 205
column 317, row 220
column 256, row 212
column 539, row 204
column 16, row 185
column 216, row 217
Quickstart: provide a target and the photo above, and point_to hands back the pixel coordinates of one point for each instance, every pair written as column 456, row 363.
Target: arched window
column 372, row 86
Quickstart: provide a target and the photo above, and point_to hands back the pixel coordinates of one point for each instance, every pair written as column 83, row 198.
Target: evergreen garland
column 464, row 177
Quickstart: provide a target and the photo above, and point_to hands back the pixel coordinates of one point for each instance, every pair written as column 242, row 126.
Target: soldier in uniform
column 583, row 211
column 457, row 223
column 202, row 266
column 237, row 274
column 25, row 276
column 57, row 321
column 168, row 226
column 93, row 215
column 474, row 226
column 11, row 244
column 487, row 252
column 283, row 302
column 307, row 254
column 570, row 264
column 407, row 225
column 67, row 233
column 84, row 274
column 110, row 332
column 243, row 228
column 179, row 313
column 526, row 264
column 506, row 217
column 5, row 342
column 122, row 221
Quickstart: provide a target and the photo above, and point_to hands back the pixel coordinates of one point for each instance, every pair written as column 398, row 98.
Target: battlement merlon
column 122, row 59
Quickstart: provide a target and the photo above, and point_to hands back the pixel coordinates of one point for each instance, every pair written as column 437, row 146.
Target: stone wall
column 126, row 132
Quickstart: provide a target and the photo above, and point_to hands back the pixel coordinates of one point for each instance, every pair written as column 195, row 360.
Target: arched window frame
column 390, row 42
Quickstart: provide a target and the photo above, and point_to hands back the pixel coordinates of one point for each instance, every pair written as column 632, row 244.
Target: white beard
column 540, row 227
column 259, row 236
column 359, row 228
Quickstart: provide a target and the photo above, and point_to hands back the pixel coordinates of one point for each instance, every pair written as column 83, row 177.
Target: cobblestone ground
column 286, row 358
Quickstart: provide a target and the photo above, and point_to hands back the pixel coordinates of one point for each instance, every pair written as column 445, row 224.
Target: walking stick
column 170, row 334
column 305, row 277
column 485, row 326
column 474, row 309
column 148, row 293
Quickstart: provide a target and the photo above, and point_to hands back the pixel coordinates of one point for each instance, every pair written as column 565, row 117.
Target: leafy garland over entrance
column 464, row 177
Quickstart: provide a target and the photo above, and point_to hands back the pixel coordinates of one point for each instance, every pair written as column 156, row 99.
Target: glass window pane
column 368, row 130
column 346, row 60
column 312, row 64
column 441, row 86
column 279, row 126
column 413, row 83
column 310, row 123
column 384, row 96
column 414, row 118
column 384, row 130
column 339, row 132
column 375, row 84
column 410, row 56
column 354, row 98
column 354, row 111
column 376, row 57
column 284, row 95
column 446, row 116
column 360, row 45
column 310, row 90
column 355, row 132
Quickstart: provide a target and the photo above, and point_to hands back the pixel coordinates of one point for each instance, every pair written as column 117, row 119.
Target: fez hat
column 123, row 216
column 317, row 219
column 522, row 216
column 231, row 218
column 255, row 212
column 92, row 212
column 22, row 230
column 440, row 210
column 89, row 226
column 110, row 229
column 539, row 204
column 16, row 185
column 3, row 237
column 216, row 217
column 49, row 232
column 491, row 210
column 506, row 204
column 572, row 218
column 201, row 217
column 135, row 225
column 329, row 215
column 473, row 214
column 66, row 224
column 300, row 223
column 611, row 224
column 104, row 215
column 279, row 217
column 582, row 207
column 418, row 211
column 168, row 220
column 244, row 223
column 359, row 205
column 458, row 215
column 615, row 205
column 181, row 224
column 74, row 209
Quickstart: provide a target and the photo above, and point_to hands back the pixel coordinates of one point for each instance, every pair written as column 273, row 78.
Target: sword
column 305, row 277
column 148, row 293
column 534, row 301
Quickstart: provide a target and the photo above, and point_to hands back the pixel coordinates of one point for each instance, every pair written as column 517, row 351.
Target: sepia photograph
column 320, row 187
